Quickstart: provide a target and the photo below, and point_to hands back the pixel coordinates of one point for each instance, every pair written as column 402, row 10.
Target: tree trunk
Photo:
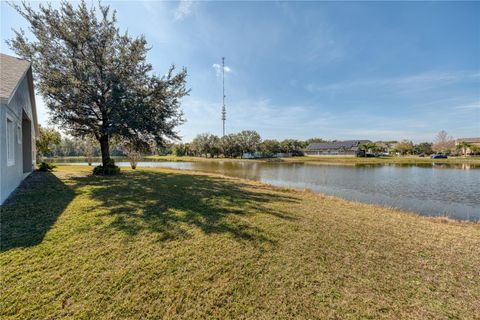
column 105, row 149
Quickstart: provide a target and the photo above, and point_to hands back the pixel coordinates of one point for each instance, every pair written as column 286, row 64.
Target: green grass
column 386, row 160
column 337, row 160
column 175, row 158
column 158, row 243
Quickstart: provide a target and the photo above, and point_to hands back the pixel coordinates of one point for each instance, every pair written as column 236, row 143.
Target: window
column 19, row 134
column 10, row 142
column 34, row 151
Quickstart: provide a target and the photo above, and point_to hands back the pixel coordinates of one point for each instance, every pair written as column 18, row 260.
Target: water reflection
column 437, row 189
column 434, row 165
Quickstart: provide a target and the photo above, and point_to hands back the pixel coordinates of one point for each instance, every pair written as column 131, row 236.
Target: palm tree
column 462, row 145
column 372, row 147
column 369, row 147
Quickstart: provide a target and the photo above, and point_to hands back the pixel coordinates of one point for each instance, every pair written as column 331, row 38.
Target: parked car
column 439, row 156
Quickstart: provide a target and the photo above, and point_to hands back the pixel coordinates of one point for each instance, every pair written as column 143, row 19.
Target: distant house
column 251, row 155
column 18, row 123
column 471, row 141
column 349, row 147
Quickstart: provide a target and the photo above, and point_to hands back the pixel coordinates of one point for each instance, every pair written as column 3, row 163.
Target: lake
column 433, row 189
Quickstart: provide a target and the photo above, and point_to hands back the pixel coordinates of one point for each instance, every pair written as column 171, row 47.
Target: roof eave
column 18, row 83
column 29, row 75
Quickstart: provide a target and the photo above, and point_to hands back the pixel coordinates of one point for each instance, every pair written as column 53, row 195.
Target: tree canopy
column 47, row 140
column 404, row 147
column 443, row 142
column 236, row 145
column 206, row 144
column 424, row 148
column 96, row 81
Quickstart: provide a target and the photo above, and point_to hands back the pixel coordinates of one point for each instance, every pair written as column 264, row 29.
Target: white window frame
column 10, row 141
column 34, row 151
column 19, row 133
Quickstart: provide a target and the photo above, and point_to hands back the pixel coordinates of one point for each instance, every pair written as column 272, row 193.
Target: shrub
column 109, row 169
column 133, row 157
column 46, row 167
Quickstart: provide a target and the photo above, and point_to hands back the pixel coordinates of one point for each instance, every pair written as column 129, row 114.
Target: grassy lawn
column 158, row 243
column 338, row 160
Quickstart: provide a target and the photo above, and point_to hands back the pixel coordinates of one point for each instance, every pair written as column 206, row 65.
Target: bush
column 46, row 167
column 109, row 169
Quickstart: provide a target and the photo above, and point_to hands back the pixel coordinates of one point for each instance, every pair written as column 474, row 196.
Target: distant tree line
column 443, row 144
column 236, row 145
column 52, row 144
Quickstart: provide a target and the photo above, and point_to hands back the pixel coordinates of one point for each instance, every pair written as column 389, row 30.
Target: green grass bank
column 408, row 160
column 159, row 243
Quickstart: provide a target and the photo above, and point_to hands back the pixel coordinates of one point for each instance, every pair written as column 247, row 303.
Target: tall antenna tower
column 224, row 110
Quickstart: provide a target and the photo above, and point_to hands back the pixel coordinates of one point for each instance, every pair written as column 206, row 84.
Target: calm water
column 434, row 190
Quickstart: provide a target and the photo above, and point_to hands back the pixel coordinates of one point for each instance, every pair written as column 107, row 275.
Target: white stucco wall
column 11, row 176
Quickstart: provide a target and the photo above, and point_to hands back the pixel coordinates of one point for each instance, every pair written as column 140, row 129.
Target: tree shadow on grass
column 175, row 205
column 32, row 210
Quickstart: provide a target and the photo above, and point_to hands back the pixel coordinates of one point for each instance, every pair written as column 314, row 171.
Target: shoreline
column 443, row 218
column 308, row 191
column 330, row 160
column 469, row 213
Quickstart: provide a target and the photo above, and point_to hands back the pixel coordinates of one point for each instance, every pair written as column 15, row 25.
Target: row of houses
column 348, row 147
column 351, row 147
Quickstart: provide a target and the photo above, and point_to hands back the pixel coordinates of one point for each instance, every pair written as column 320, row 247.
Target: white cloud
column 184, row 9
column 387, row 134
column 269, row 119
column 415, row 82
column 218, row 69
column 472, row 106
column 280, row 121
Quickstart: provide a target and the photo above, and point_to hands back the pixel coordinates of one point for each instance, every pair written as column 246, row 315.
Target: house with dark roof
column 18, row 123
column 348, row 147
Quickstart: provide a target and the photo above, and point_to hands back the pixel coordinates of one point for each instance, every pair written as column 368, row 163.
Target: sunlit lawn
column 157, row 243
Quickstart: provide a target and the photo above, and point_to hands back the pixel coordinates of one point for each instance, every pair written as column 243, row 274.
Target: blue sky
column 343, row 70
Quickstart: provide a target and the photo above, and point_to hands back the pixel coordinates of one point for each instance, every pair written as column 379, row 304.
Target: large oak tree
column 96, row 81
